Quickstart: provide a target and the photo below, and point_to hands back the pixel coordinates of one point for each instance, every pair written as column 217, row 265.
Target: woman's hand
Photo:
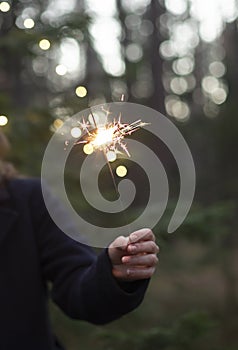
column 134, row 257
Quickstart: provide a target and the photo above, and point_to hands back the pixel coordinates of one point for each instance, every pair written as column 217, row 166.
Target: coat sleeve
column 82, row 282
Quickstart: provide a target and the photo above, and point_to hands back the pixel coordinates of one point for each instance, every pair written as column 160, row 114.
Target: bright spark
column 103, row 137
column 109, row 137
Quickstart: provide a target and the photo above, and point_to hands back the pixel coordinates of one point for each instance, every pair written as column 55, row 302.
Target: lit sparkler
column 109, row 137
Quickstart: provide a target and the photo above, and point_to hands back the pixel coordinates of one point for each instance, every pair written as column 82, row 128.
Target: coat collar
column 8, row 216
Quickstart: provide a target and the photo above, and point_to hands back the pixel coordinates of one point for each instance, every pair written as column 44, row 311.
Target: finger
column 120, row 272
column 139, row 274
column 144, row 234
column 143, row 247
column 140, row 260
column 132, row 274
column 120, row 243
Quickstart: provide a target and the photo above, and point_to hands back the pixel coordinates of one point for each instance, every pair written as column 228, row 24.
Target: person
column 34, row 251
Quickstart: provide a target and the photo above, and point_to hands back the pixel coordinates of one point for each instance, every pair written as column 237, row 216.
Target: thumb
column 117, row 249
column 120, row 243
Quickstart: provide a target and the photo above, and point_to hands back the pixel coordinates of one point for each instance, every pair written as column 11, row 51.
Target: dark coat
column 34, row 251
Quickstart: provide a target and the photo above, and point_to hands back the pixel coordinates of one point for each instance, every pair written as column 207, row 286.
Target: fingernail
column 125, row 259
column 128, row 272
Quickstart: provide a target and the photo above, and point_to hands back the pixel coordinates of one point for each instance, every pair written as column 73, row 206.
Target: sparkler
column 98, row 133
column 108, row 137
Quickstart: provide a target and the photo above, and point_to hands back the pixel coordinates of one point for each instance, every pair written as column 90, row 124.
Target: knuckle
column 151, row 246
column 121, row 237
column 150, row 232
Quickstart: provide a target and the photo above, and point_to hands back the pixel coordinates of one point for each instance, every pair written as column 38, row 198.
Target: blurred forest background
column 58, row 57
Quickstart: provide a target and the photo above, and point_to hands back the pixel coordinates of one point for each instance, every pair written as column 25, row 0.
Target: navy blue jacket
column 34, row 251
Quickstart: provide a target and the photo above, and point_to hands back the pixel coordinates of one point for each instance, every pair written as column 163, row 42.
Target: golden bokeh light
column 3, row 120
column 81, row 91
column 88, row 149
column 58, row 123
column 44, row 44
column 29, row 23
column 4, row 6
column 121, row 171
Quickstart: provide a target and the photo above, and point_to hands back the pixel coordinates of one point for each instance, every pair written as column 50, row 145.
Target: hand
column 134, row 257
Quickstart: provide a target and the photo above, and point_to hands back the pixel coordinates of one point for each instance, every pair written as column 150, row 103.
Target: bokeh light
column 88, row 149
column 76, row 132
column 209, row 84
column 179, row 85
column 58, row 123
column 134, row 52
column 177, row 7
column 133, row 21
column 106, row 33
column 183, row 66
column 212, row 15
column 180, row 111
column 44, row 44
column 115, row 67
column 81, row 91
column 219, row 96
column 135, row 6
column 3, row 120
column 177, row 108
column 29, row 23
column 61, row 70
column 107, row 10
column 167, row 49
column 146, row 28
column 5, row 6
column 111, row 156
column 71, row 57
column 185, row 37
column 217, row 69
column 121, row 171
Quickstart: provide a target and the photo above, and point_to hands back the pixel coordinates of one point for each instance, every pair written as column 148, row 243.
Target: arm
column 84, row 285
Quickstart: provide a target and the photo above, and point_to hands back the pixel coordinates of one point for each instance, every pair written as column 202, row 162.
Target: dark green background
column 192, row 299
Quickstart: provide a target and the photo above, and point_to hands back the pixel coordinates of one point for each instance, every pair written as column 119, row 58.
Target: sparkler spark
column 109, row 137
